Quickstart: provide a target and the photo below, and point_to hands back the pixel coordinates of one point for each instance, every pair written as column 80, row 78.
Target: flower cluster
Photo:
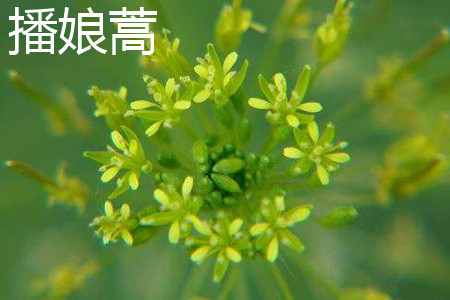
column 128, row 155
column 317, row 151
column 283, row 110
column 166, row 109
column 331, row 36
column 223, row 201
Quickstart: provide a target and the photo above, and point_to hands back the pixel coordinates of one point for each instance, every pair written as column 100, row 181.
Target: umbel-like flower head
column 274, row 227
column 166, row 110
column 331, row 36
column 112, row 105
column 176, row 209
column 128, row 156
column 115, row 225
column 167, row 56
column 318, row 151
column 284, row 110
column 233, row 22
column 217, row 81
column 225, row 238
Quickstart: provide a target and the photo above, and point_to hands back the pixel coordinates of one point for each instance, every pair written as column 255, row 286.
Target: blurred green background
column 402, row 249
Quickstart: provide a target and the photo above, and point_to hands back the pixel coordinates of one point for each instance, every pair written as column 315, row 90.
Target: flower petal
column 233, row 254
column 340, row 157
column 200, row 254
column 109, row 209
column 229, row 62
column 322, row 173
column 259, row 228
column 259, row 103
column 293, row 121
column 109, row 174
column 272, row 249
column 153, row 128
column 162, row 197
column 174, row 232
column 235, row 226
column 313, row 131
column 187, row 187
column 311, row 107
column 201, row 71
column 142, row 104
column 182, row 104
column 202, row 96
column 294, row 153
column 133, row 181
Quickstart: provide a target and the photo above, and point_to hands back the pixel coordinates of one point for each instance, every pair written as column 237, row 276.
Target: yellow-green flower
column 166, row 110
column 273, row 229
column 167, row 56
column 318, row 151
column 284, row 110
column 233, row 22
column 331, row 36
column 217, row 81
column 128, row 155
column 176, row 209
column 225, row 238
column 112, row 105
column 115, row 225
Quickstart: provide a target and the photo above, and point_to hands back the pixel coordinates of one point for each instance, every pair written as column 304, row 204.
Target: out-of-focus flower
column 167, row 56
column 64, row 280
column 331, row 36
column 112, row 106
column 65, row 190
column 233, row 22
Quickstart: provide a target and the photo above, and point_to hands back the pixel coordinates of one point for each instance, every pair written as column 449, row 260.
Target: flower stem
column 282, row 284
column 229, row 284
column 278, row 34
column 330, row 287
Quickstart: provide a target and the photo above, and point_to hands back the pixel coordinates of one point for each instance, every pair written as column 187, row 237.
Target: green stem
column 330, row 287
column 278, row 34
column 316, row 72
column 282, row 284
column 229, row 284
column 195, row 279
column 162, row 17
column 30, row 172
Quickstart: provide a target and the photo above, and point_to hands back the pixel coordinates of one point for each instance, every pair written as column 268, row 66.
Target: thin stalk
column 189, row 130
column 316, row 72
column 282, row 284
column 162, row 18
column 278, row 34
column 330, row 287
column 30, row 172
column 229, row 284
column 195, row 279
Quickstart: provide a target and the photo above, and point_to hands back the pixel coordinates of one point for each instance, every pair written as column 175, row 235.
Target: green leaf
column 228, row 165
column 238, row 79
column 200, row 152
column 291, row 240
column 143, row 234
column 215, row 60
column 103, row 157
column 339, row 217
column 227, row 183
column 160, row 218
column 301, row 87
column 265, row 88
column 148, row 115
